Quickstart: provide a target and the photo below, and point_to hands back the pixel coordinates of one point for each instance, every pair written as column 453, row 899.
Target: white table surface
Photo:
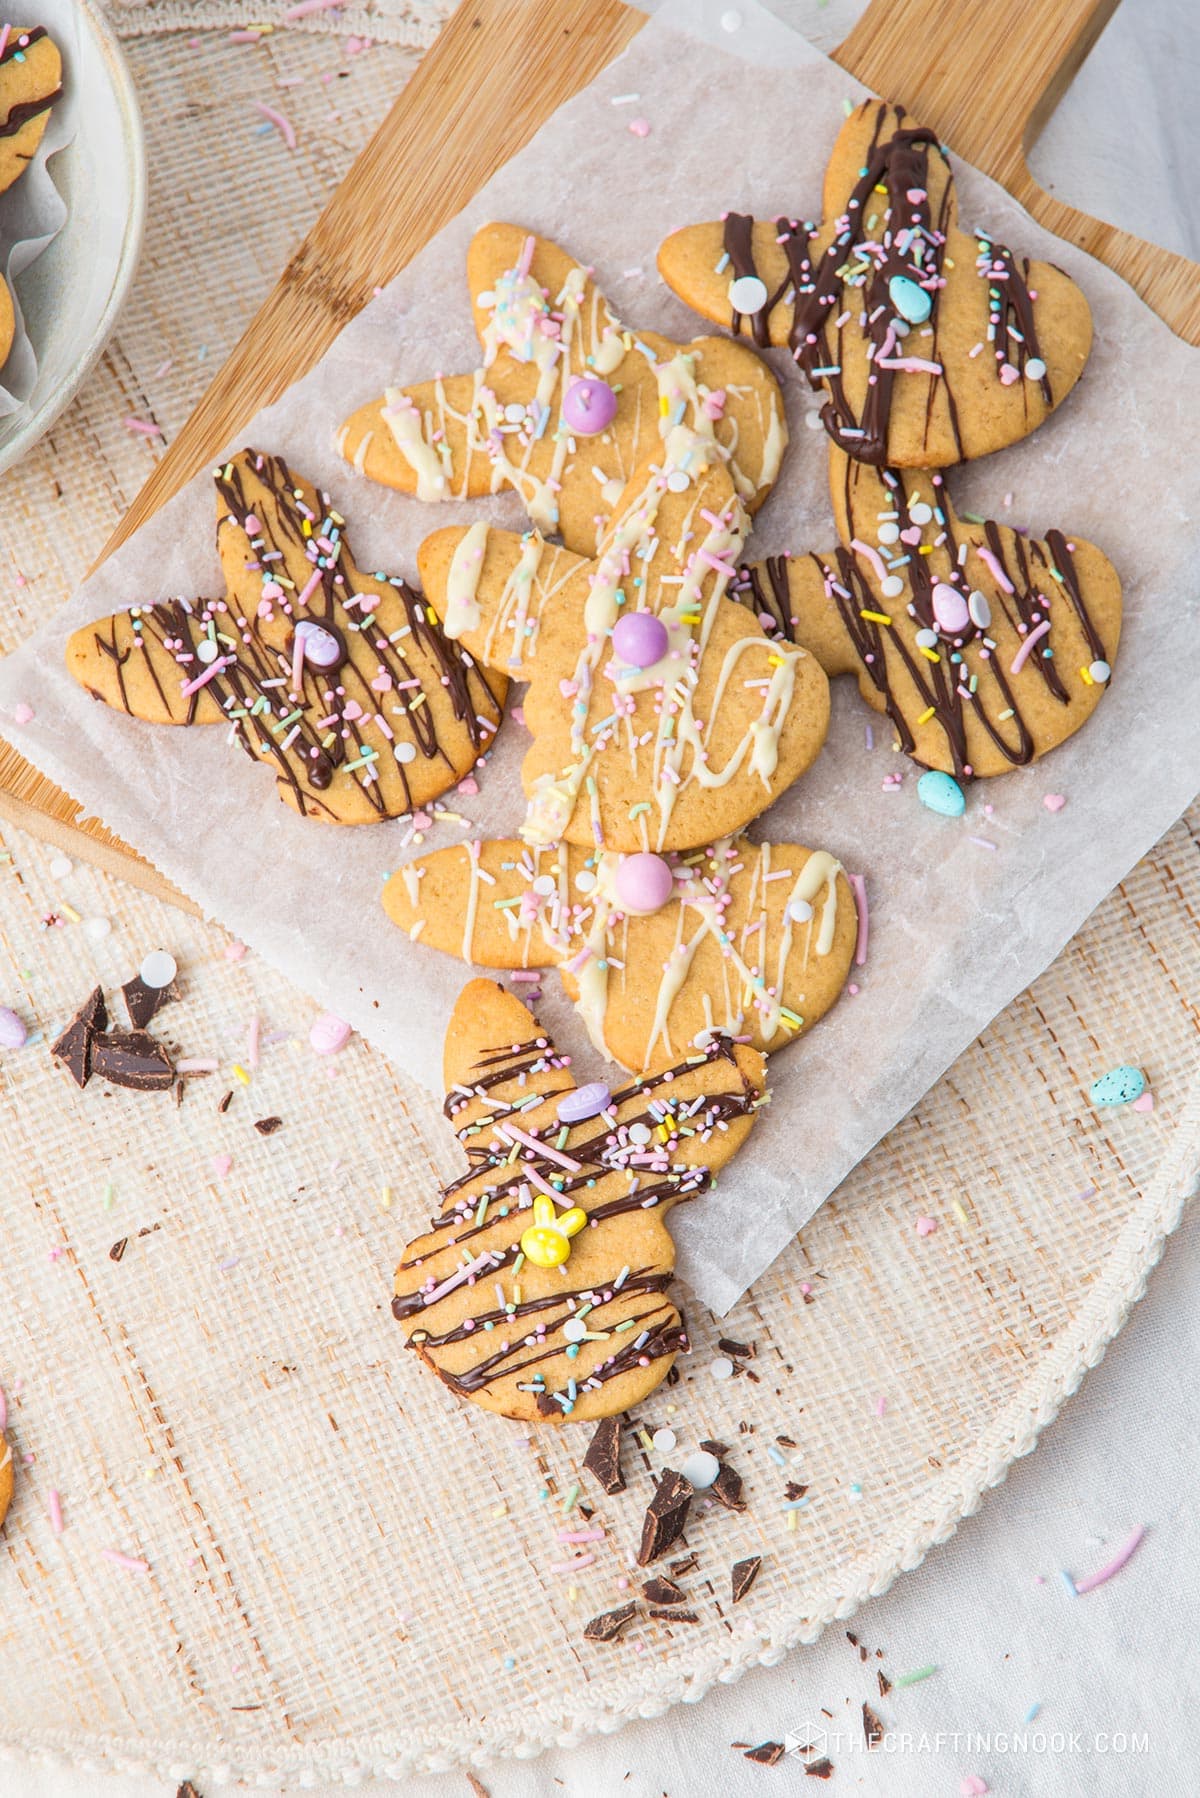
column 1117, row 1666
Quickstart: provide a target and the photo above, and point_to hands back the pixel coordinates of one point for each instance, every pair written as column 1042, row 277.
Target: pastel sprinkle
column 1103, row 1574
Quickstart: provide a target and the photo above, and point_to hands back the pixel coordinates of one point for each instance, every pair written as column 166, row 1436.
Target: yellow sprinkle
column 385, row 1199
column 572, row 1593
column 774, row 661
column 644, row 1439
column 926, row 715
column 516, row 1297
column 926, row 549
column 306, row 528
column 241, row 1073
column 431, row 615
column 959, row 1212
column 664, row 405
column 880, row 187
column 930, row 654
column 500, row 1511
column 1086, row 678
column 875, row 617
column 662, row 1133
column 792, row 1519
column 69, row 911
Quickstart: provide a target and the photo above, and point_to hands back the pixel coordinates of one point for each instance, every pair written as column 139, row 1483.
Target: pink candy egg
column 329, row 1034
column 950, row 608
column 644, row 883
column 640, row 639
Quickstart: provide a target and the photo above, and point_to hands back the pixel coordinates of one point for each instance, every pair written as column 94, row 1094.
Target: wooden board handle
column 987, row 77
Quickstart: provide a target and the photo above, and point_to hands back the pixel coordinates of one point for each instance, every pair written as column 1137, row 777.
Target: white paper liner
column 32, row 211
column 956, row 929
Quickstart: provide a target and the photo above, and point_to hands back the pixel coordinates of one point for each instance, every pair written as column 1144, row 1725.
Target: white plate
column 72, row 293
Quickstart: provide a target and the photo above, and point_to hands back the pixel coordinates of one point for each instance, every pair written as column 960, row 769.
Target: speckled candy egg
column 1120, row 1086
column 941, row 793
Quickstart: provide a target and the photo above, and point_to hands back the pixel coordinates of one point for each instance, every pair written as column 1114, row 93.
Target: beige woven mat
column 347, row 1572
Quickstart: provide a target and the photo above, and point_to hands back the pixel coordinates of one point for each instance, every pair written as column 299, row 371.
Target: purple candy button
column 640, row 639
column 321, row 647
column 589, row 407
column 644, row 883
column 585, row 1102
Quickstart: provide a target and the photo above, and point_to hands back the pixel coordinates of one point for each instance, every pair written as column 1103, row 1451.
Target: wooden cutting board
column 986, row 76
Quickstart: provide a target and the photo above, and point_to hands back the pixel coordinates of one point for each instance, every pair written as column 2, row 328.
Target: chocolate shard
column 143, row 1002
column 794, row 1490
column 687, row 1564
column 727, row 1488
column 719, row 1449
column 661, row 1590
column 819, row 1769
column 268, row 1126
column 132, row 1059
column 666, row 1517
column 872, row 1728
column 609, row 1624
column 603, row 1458
column 669, row 1616
column 767, row 1754
column 187, row 1790
column 744, row 1351
column 74, row 1046
column 743, row 1575
column 118, row 1248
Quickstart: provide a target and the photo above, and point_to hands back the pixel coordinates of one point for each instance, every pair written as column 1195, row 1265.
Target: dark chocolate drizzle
column 914, row 249
column 308, row 765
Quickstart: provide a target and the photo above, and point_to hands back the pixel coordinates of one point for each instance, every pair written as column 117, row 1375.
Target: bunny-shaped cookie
column 752, row 939
column 30, row 84
column 588, row 1332
column 568, row 402
column 662, row 716
column 985, row 648
column 342, row 682
column 931, row 345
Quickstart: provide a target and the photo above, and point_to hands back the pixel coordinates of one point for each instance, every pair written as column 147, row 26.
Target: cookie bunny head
column 752, row 940
column 540, row 1290
column 662, row 716
column 931, row 345
column 568, row 401
column 341, row 682
column 986, row 648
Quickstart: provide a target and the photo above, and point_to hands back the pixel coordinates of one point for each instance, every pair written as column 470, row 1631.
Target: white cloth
column 1118, row 1662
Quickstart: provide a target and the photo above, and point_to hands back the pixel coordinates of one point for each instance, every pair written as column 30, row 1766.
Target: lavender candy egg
column 644, row 883
column 950, row 608
column 585, row 1102
column 640, row 639
column 13, row 1034
column 321, row 647
column 589, row 407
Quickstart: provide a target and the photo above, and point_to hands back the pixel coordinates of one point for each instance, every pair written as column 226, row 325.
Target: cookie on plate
column 930, row 344
column 568, row 401
column 541, row 1289
column 30, row 84
column 342, row 683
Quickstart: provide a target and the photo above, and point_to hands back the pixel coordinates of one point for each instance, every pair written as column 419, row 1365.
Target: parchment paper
column 32, row 211
column 957, row 929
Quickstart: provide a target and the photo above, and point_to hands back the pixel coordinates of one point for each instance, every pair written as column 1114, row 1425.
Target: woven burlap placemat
column 346, row 1572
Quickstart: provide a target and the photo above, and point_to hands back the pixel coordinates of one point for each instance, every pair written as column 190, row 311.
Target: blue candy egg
column 941, row 793
column 910, row 301
column 1120, row 1086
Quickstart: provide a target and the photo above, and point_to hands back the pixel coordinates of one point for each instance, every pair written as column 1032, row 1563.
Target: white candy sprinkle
column 664, row 1441
column 61, row 866
column 700, row 1469
column 1100, row 672
column 158, row 969
column 514, row 412
column 544, row 885
column 813, row 420
column 927, row 639
column 721, row 1368
column 1035, row 368
column 207, row 651
column 891, row 586
column 799, row 911
column 677, row 481
column 731, row 21
column 96, row 929
column 640, row 1133
column 920, row 513
column 585, row 880
column 889, row 533
column 747, row 294
column 575, row 1329
column 405, row 752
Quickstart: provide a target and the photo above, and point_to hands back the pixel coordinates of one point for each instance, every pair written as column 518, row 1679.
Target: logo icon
column 810, row 1740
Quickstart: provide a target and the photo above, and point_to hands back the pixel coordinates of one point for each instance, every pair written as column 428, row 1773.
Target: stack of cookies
column 673, row 691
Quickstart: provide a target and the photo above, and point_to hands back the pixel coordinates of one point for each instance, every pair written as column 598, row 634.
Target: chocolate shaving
column 685, row 1565
column 666, row 1517
column 268, row 1126
column 669, row 1616
column 74, row 1046
column 132, row 1059
column 660, row 1590
column 819, row 1769
column 226, row 1102
column 872, row 1727
column 603, row 1458
column 142, row 1002
column 885, row 1684
column 187, row 1789
column 478, row 1789
column 794, row 1490
column 767, row 1754
column 727, row 1346
column 727, row 1488
column 118, row 1249
column 719, row 1449
column 787, row 1442
column 609, row 1624
column 743, row 1575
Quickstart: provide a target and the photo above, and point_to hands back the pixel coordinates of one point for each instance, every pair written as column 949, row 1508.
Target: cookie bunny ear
column 342, row 683
column 754, row 940
column 931, row 345
column 588, row 1329
column 491, row 588
column 985, row 648
column 568, row 401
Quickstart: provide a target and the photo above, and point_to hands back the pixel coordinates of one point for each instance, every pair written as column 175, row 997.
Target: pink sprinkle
column 235, row 951
column 880, row 1406
column 221, row 1165
column 3, row 1411
column 973, row 1786
column 580, row 1535
column 142, row 427
column 864, row 919
column 640, row 127
column 309, row 588
column 872, row 555
column 1035, row 636
column 926, row 1226
column 196, row 1064
column 280, row 121
column 1008, row 374
column 252, row 1042
column 993, row 567
column 570, row 1566
column 23, row 714
column 909, row 365
column 4, row 36
column 210, row 673
column 54, row 1507
column 131, row 1563
column 469, row 786
column 1145, row 1102
column 245, row 37
column 514, row 1134
column 1054, row 802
